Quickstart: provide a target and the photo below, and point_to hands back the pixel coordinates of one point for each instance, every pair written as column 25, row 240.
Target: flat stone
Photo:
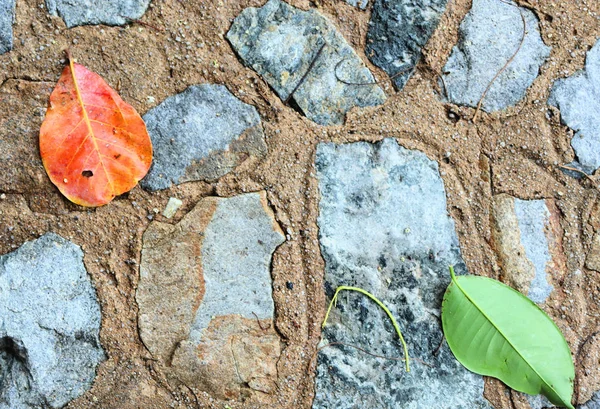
column 201, row 134
column 398, row 31
column 527, row 240
column 383, row 226
column 109, row 12
column 49, row 325
column 299, row 53
column 205, row 295
column 578, row 98
column 7, row 18
column 488, row 37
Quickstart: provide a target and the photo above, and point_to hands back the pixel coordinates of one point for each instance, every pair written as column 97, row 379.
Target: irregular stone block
column 110, row 12
column 489, row 35
column 7, row 18
column 579, row 104
column 527, row 240
column 205, row 297
column 303, row 57
column 398, row 31
column 383, row 226
column 201, row 134
column 49, row 325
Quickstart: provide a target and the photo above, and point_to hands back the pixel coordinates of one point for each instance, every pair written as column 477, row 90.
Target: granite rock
column 303, row 57
column 578, row 98
column 205, row 296
column 488, row 37
column 383, row 226
column 201, row 134
column 7, row 17
column 398, row 31
column 49, row 325
column 109, row 12
column 527, row 239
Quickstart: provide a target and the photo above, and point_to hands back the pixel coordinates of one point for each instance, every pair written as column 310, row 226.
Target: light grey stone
column 488, row 37
column 201, row 134
column 362, row 4
column 299, row 54
column 398, row 31
column 383, row 226
column 110, row 12
column 578, row 98
column 49, row 325
column 7, row 18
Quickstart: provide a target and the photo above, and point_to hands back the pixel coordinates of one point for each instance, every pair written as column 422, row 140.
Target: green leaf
column 496, row 331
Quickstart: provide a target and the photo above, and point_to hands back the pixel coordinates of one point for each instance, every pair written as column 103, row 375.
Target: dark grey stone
column 201, row 134
column 49, row 325
column 110, row 12
column 299, row 53
column 7, row 17
column 383, row 226
column 578, row 98
column 398, row 31
column 593, row 403
column 488, row 37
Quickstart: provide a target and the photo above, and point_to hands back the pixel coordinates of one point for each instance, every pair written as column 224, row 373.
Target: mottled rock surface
column 7, row 17
column 592, row 260
column 578, row 98
column 488, row 37
column 593, row 403
column 375, row 233
column 362, row 4
column 201, row 134
column 398, row 31
column 527, row 237
column 110, row 12
column 205, row 297
column 300, row 53
column 49, row 325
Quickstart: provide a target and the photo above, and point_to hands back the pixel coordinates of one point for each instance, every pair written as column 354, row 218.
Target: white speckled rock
column 110, row 12
column 7, row 17
column 49, row 325
column 489, row 36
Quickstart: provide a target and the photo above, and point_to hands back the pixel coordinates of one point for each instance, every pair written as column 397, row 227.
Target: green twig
column 387, row 311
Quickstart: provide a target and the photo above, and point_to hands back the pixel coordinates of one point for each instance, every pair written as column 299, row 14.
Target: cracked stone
column 395, row 198
column 205, row 296
column 578, row 98
column 299, row 53
column 201, row 134
column 109, row 12
column 7, row 18
column 488, row 37
column 527, row 238
column 49, row 325
column 398, row 31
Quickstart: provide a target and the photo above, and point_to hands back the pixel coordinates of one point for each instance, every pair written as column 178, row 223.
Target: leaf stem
column 383, row 307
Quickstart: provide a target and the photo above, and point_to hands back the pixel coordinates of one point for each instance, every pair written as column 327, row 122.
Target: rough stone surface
column 578, row 98
column 282, row 44
column 362, row 4
column 201, row 134
column 489, row 35
column 7, row 16
column 527, row 240
column 205, row 297
column 593, row 403
column 375, row 233
column 110, row 12
column 592, row 260
column 49, row 325
column 398, row 30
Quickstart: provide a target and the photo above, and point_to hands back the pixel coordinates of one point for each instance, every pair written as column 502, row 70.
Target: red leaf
column 94, row 145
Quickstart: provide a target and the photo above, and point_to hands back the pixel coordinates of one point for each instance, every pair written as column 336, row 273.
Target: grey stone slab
column 398, row 31
column 49, row 325
column 488, row 37
column 201, row 134
column 300, row 53
column 110, row 12
column 578, row 98
column 7, row 18
column 383, row 226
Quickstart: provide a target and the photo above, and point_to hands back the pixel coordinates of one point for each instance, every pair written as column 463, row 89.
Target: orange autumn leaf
column 94, row 146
